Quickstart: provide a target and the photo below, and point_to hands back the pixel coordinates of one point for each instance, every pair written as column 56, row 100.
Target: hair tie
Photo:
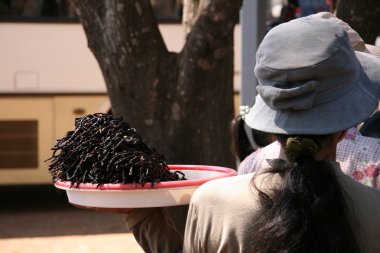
column 296, row 146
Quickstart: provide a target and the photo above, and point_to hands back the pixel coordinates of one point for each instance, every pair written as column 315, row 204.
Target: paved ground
column 39, row 219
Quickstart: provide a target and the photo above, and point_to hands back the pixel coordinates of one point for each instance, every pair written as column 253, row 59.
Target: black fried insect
column 105, row 149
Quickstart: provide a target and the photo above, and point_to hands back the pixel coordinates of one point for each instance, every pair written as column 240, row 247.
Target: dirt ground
column 38, row 219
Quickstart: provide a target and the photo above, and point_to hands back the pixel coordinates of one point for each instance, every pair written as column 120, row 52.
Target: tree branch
column 207, row 45
column 123, row 35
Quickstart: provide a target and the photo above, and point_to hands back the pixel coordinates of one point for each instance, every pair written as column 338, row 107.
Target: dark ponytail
column 305, row 214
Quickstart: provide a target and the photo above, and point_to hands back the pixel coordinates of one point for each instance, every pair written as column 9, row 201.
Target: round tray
column 169, row 193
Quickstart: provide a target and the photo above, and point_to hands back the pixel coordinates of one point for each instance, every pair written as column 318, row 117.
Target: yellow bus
column 49, row 77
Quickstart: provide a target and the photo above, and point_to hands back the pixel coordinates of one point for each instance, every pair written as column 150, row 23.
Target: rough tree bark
column 363, row 16
column 181, row 103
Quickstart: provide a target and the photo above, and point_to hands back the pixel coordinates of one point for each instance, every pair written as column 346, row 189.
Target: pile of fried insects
column 105, row 149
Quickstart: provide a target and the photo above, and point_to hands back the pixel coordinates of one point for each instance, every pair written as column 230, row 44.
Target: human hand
column 105, row 209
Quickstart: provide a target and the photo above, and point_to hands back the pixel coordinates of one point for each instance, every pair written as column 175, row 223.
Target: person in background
column 241, row 145
column 332, row 5
column 309, row 7
column 359, row 156
column 292, row 9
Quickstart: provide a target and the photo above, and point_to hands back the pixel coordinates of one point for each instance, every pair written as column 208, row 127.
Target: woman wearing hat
column 358, row 155
column 312, row 88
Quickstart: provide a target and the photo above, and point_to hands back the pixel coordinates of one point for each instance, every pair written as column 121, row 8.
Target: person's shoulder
column 222, row 184
column 222, row 187
column 365, row 139
column 354, row 142
column 256, row 160
column 356, row 188
column 354, row 138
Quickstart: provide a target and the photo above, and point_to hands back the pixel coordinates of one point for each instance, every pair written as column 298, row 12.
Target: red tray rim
column 227, row 172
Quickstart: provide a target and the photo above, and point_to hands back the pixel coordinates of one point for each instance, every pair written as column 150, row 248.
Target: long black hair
column 307, row 213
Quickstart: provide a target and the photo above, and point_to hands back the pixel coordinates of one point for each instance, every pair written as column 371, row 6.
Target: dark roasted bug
column 105, row 149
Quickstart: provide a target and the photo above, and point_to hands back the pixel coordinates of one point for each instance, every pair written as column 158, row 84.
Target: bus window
column 37, row 9
column 64, row 10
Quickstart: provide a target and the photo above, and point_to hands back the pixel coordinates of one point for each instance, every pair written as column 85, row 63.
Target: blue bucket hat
column 311, row 81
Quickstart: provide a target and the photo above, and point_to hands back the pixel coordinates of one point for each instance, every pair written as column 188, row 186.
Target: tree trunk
column 363, row 16
column 182, row 103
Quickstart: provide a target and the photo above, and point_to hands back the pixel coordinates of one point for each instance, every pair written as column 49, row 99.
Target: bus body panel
column 49, row 77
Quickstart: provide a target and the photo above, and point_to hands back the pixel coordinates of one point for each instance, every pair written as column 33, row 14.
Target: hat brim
column 345, row 112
